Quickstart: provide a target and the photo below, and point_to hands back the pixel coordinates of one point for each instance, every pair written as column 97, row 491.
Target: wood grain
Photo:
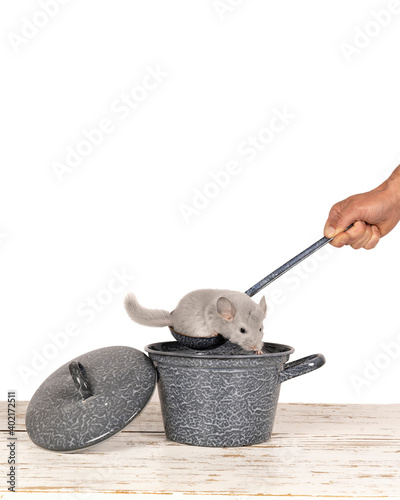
column 316, row 450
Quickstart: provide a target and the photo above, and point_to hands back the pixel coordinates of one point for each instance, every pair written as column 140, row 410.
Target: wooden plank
column 317, row 450
column 289, row 416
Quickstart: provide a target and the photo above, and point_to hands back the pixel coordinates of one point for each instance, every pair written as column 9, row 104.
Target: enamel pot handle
column 301, row 366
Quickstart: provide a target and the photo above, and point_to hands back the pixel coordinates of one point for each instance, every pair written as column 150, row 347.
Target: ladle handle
column 288, row 265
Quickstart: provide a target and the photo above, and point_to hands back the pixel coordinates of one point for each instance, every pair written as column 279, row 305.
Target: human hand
column 374, row 215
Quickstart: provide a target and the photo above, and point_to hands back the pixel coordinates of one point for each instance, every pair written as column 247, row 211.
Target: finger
column 341, row 215
column 351, row 236
column 374, row 240
column 363, row 239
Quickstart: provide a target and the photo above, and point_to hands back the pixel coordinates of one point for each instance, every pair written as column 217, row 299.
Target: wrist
column 394, row 186
column 391, row 188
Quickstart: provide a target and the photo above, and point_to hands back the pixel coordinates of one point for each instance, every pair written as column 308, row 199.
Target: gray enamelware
column 225, row 396
column 220, row 397
column 90, row 398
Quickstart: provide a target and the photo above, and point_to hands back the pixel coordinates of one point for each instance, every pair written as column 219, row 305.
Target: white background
column 119, row 210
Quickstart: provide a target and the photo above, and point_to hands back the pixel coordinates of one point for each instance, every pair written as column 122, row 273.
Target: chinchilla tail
column 143, row 316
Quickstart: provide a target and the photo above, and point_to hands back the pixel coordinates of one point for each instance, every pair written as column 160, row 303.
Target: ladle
column 202, row 343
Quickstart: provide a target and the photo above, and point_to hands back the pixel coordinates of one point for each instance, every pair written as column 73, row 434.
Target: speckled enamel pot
column 223, row 397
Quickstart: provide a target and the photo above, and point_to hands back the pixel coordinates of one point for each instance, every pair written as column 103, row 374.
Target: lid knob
column 78, row 376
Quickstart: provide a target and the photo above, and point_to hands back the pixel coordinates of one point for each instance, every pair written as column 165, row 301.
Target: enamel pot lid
column 90, row 398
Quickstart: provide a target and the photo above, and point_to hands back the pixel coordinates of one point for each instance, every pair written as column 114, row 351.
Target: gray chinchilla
column 209, row 312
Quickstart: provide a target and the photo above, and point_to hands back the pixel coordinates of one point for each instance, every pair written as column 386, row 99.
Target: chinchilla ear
column 226, row 309
column 263, row 305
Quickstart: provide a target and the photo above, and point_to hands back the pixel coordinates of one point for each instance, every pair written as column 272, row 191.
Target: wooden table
column 316, row 450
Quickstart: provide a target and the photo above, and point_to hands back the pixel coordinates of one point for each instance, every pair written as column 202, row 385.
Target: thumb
column 340, row 217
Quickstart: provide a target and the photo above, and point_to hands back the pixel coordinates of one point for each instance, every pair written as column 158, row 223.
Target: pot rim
column 202, row 354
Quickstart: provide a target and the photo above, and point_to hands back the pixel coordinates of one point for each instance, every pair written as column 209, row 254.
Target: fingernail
column 330, row 232
column 344, row 240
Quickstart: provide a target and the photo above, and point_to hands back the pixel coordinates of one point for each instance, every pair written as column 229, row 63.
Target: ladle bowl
column 198, row 343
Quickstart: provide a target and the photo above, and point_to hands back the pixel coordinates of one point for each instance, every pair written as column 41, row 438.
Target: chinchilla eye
column 242, row 330
column 260, row 329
